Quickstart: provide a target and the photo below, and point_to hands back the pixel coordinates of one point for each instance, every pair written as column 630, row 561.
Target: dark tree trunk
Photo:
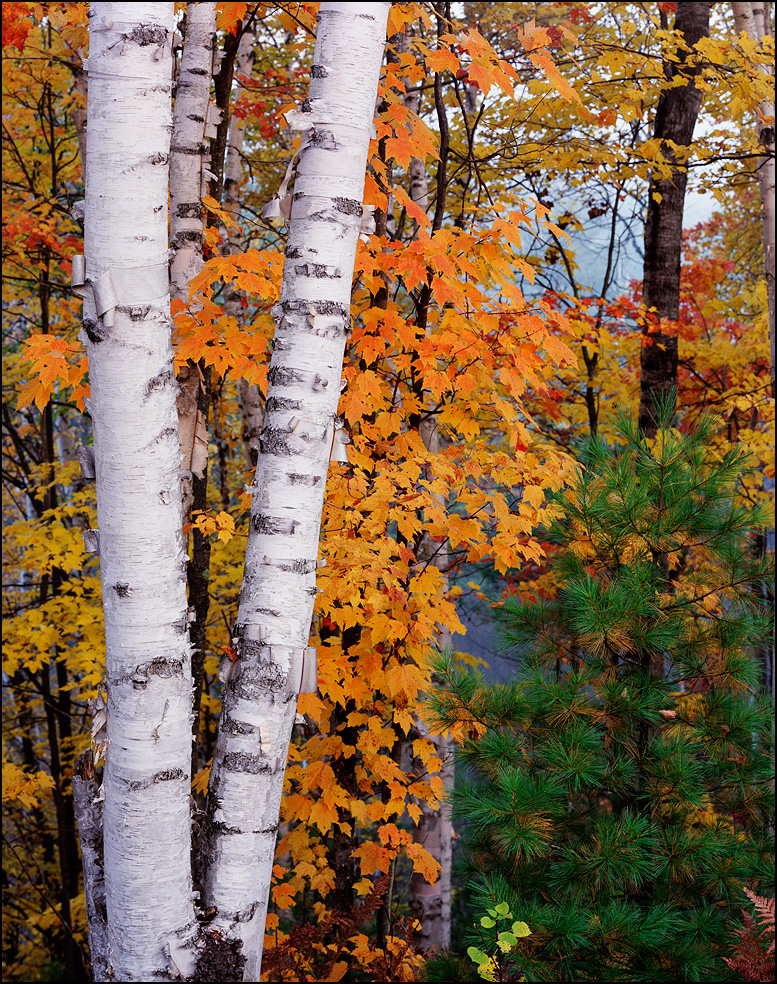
column 675, row 120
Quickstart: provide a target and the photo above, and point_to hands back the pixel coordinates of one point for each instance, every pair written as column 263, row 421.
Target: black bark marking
column 145, row 34
column 220, row 960
column 136, row 313
column 281, row 403
column 252, row 650
column 167, row 432
column 196, row 118
column 165, row 668
column 318, row 71
column 293, row 252
column 257, row 681
column 94, row 331
column 297, row 479
column 122, row 589
column 323, row 139
column 160, row 380
column 296, row 566
column 306, row 106
column 284, row 375
column 253, row 764
column 275, row 441
column 159, row 158
column 168, row 775
column 312, row 438
column 318, row 270
column 186, row 236
column 198, row 71
column 273, row 525
column 349, row 206
column 232, row 727
column 302, row 307
column 187, row 150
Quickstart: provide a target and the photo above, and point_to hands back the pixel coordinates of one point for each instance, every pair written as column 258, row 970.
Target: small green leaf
column 477, row 955
column 510, row 938
column 487, row 922
column 503, row 908
column 492, row 912
column 521, row 929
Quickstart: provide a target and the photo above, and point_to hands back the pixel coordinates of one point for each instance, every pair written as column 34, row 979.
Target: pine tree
column 618, row 792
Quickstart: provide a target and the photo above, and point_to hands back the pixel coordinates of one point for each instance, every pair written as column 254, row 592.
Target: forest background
column 512, row 143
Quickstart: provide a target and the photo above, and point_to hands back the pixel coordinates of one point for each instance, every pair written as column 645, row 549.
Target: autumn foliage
column 480, row 351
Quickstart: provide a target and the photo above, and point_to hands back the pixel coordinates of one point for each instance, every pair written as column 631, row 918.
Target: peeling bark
column 273, row 625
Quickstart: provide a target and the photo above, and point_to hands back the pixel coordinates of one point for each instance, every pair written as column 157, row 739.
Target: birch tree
column 191, row 129
column 186, row 213
column 126, row 330
column 248, row 396
column 752, row 19
column 274, row 663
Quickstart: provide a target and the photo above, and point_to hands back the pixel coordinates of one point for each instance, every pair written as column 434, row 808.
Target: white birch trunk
column 753, row 19
column 192, row 95
column 248, row 398
column 312, row 319
column 187, row 153
column 142, row 559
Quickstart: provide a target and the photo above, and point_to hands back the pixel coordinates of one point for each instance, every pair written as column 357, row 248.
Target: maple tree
column 463, row 327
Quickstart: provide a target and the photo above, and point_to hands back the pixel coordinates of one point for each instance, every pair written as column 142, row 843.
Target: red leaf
column 17, row 23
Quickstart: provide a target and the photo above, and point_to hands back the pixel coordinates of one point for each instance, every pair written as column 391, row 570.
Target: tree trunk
column 431, row 904
column 416, row 171
column 753, row 19
column 192, row 96
column 148, row 888
column 248, row 396
column 88, row 806
column 675, row 120
column 187, row 155
column 273, row 626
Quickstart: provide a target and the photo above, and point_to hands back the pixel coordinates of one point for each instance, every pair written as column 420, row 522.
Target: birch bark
column 753, row 19
column 192, row 95
column 186, row 211
column 249, row 400
column 126, row 330
column 274, row 663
